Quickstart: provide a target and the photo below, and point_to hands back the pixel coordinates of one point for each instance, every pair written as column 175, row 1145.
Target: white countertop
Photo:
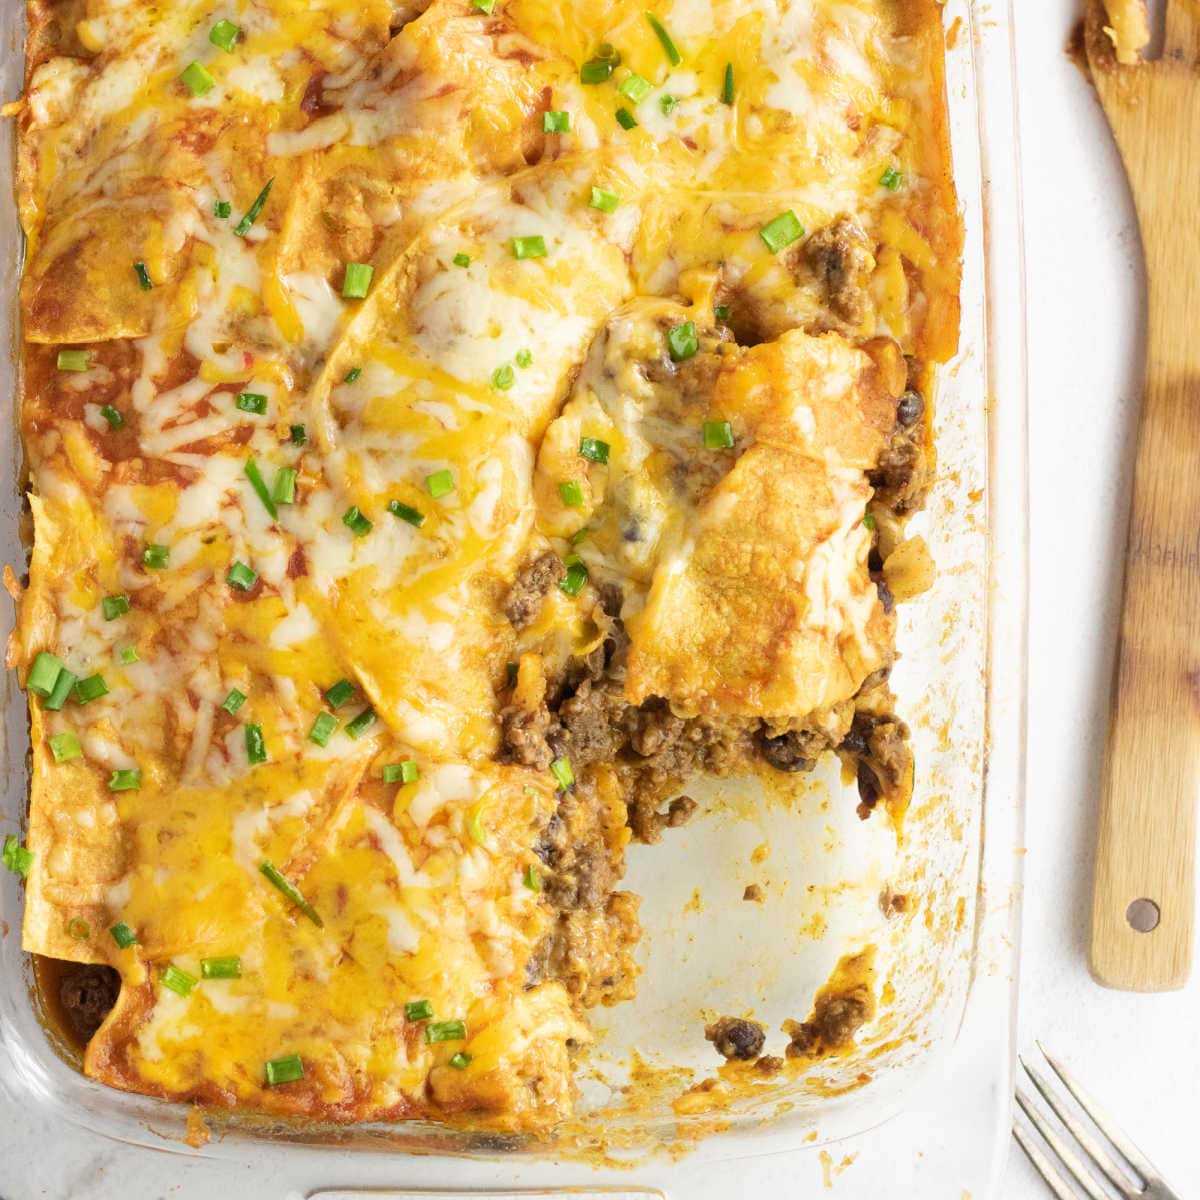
column 1140, row 1054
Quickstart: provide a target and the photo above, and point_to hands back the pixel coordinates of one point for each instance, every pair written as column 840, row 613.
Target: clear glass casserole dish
column 948, row 962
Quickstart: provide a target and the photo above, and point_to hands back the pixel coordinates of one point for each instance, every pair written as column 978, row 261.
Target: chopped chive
column 718, row 435
column 668, row 104
column 156, row 556
column 224, row 33
column 407, row 513
column 721, row 312
column 532, row 879
column 576, row 577
column 79, row 929
column 418, row 1010
column 233, row 701
column 523, row 358
column 891, row 179
column 533, row 246
column 445, row 1031
column 391, row 773
column 123, row 935
column 112, row 416
column 177, row 980
column 635, row 88
column 297, row 435
column 64, row 685
column 475, row 828
column 460, row 1061
column 252, row 402
column 625, row 118
column 556, row 121
column 461, row 260
column 570, row 493
column 341, row 693
column 260, row 488
column 256, row 749
column 352, row 374
column 354, row 521
column 229, row 967
column 91, row 688
column 503, row 377
column 322, row 728
column 727, row 86
column 664, row 40
column 361, row 723
column 241, row 577
column 222, row 209
column 287, row 1069
column 128, row 780
column 72, row 360
column 440, row 483
column 196, row 79
column 511, row 671
column 594, row 450
column 401, row 772
column 560, row 768
column 596, row 70
column 869, row 521
column 43, row 674
column 114, row 606
column 143, row 276
column 483, row 6
column 16, row 858
column 578, row 536
column 357, row 280
column 243, row 226
column 283, row 490
column 782, row 231
column 129, row 655
column 604, row 200
column 290, row 890
column 682, row 342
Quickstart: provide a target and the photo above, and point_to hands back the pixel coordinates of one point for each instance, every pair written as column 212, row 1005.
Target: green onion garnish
column 782, row 231
column 283, row 490
column 128, row 780
column 523, row 358
column 511, row 671
column 16, row 858
column 391, row 773
column 440, row 483
column 891, row 179
column 354, row 520
column 401, row 772
column 143, row 276
column 869, row 521
column 64, row 685
column 112, row 416
column 668, row 104
column 243, row 226
column 352, row 374
column 256, row 749
column 129, row 654
column 123, row 935
column 241, row 577
column 532, row 879
column 461, row 260
column 718, row 435
column 322, row 728
column 570, row 493
column 361, row 723
column 576, row 577
column 625, row 118
column 664, row 40
column 252, row 402
column 533, row 246
column 445, row 1031
column 229, row 967
column 604, row 200
column 156, row 556
column 727, row 86
column 224, row 33
column 418, row 1010
column 578, row 536
column 475, row 827
column 406, row 513
column 635, row 88
column 297, row 435
column 560, row 768
column 502, row 377
column 340, row 693
column 197, row 80
column 721, row 312
column 483, row 6
column 357, row 280
column 460, row 1061
column 596, row 70
column 682, row 341
column 91, row 688
column 72, row 360
column 556, row 121
column 177, row 980
column 287, row 1069
column 43, row 674
column 260, row 488
column 290, row 890
column 234, row 701
column 222, row 209
column 594, row 450
column 79, row 929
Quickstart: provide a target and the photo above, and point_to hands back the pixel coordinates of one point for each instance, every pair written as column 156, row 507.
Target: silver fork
column 1087, row 1156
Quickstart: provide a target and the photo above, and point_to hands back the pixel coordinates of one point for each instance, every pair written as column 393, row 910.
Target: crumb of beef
column 736, row 1037
column 530, row 588
column 753, row 893
column 648, row 823
column 840, row 257
column 87, row 992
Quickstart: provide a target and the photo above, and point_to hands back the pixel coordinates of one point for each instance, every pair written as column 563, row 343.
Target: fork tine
column 1042, row 1164
column 1066, row 1153
column 1136, row 1159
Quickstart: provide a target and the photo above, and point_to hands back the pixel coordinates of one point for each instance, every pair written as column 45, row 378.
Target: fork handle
column 1143, row 910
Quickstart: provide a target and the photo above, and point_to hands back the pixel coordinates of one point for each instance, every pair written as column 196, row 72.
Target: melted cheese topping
column 423, row 154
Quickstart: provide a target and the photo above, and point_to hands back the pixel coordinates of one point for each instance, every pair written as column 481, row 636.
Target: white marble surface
column 1140, row 1053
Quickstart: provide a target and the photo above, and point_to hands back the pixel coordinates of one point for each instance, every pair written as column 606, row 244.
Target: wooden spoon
column 1143, row 910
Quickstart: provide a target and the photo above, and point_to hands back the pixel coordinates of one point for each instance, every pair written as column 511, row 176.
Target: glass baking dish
column 942, row 1041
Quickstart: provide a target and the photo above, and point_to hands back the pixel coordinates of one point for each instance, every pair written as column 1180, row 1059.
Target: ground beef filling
column 87, row 993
